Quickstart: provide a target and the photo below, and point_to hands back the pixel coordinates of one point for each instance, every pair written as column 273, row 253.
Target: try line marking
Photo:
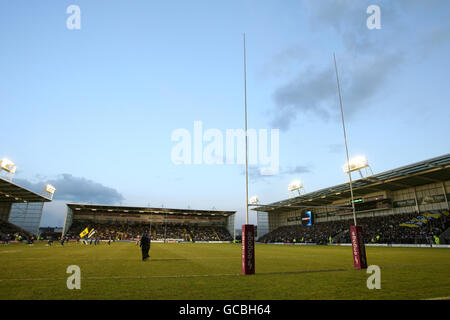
column 128, row 277
column 177, row 276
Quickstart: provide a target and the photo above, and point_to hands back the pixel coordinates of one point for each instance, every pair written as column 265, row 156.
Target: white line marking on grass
column 175, row 276
column 94, row 259
column 131, row 277
column 302, row 271
column 33, row 279
column 439, row 298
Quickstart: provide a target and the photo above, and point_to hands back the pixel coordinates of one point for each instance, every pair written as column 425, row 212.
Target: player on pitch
column 145, row 245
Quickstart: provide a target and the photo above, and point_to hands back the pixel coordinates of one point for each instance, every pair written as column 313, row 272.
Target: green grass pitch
column 213, row 271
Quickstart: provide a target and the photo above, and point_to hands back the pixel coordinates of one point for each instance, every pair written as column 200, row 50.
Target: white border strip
column 369, row 245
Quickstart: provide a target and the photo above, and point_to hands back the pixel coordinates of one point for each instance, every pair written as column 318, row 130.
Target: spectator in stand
column 131, row 231
column 385, row 229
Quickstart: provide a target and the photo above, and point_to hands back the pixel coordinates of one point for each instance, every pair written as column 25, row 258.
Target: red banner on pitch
column 248, row 249
column 358, row 247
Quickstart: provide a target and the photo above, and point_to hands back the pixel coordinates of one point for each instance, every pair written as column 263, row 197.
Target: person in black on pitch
column 145, row 245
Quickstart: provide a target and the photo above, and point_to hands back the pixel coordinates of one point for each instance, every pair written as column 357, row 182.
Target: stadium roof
column 145, row 210
column 413, row 175
column 10, row 192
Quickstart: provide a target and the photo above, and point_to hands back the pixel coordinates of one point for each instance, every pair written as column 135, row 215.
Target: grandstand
column 404, row 205
column 128, row 223
column 20, row 209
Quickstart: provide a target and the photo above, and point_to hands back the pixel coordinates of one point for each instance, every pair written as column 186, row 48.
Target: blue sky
column 93, row 110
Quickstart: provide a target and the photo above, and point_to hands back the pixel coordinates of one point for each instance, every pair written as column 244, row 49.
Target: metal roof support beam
column 417, row 202
column 445, row 195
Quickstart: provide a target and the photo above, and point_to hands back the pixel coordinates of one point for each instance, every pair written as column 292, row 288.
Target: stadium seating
column 11, row 231
column 131, row 231
column 381, row 229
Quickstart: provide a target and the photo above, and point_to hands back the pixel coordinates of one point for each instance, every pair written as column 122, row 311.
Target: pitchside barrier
column 367, row 245
column 283, row 243
column 172, row 241
column 405, row 245
column 153, row 241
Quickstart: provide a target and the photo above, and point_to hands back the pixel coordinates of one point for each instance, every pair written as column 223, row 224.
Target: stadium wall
column 27, row 216
column 68, row 220
column 5, row 208
column 230, row 225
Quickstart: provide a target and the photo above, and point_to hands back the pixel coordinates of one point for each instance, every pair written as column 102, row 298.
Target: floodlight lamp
column 254, row 200
column 8, row 166
column 50, row 189
column 295, row 185
column 355, row 164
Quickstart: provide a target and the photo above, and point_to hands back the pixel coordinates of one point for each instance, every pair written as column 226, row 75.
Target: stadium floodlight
column 254, row 200
column 295, row 185
column 49, row 191
column 9, row 167
column 355, row 164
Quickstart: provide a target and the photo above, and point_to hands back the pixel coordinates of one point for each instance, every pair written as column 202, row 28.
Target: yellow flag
column 91, row 233
column 85, row 232
column 432, row 215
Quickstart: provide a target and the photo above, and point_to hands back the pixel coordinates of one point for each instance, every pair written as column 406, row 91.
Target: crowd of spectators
column 381, row 229
column 161, row 231
column 10, row 232
column 208, row 233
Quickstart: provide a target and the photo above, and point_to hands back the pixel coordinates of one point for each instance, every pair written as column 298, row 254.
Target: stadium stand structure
column 405, row 205
column 128, row 223
column 46, row 233
column 20, row 209
column 11, row 232
column 382, row 229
